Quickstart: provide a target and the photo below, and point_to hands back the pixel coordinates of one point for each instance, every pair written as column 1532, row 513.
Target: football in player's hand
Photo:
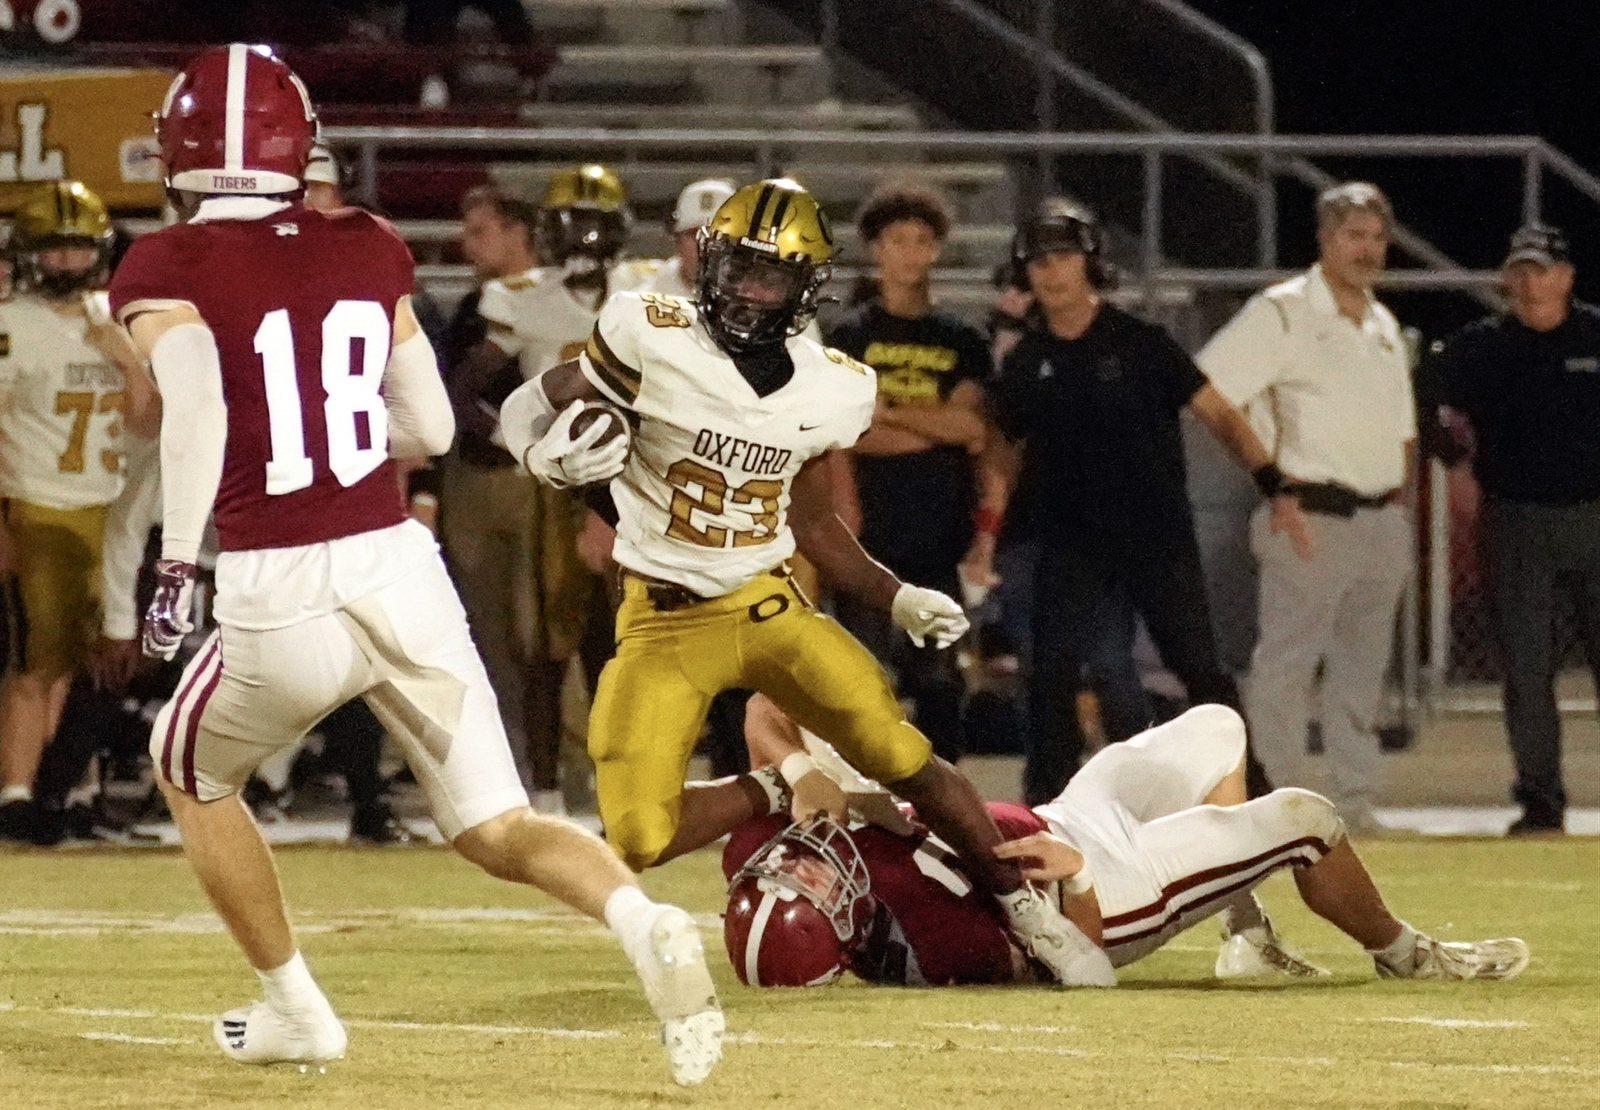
column 595, row 410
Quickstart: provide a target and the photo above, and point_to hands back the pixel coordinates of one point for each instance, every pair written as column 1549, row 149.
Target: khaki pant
column 1338, row 609
column 511, row 545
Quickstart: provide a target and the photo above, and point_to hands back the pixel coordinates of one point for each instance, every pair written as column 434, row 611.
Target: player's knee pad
column 1307, row 814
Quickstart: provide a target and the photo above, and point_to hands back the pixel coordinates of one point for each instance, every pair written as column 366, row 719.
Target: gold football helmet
column 763, row 258
column 584, row 213
column 60, row 214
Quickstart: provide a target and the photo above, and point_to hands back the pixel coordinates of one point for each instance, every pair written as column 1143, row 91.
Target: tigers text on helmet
column 763, row 259
column 797, row 907
column 584, row 213
column 236, row 121
column 60, row 214
column 1058, row 224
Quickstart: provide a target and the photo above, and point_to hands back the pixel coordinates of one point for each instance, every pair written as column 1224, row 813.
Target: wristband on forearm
column 986, row 522
column 1269, row 479
column 1079, row 883
column 772, row 784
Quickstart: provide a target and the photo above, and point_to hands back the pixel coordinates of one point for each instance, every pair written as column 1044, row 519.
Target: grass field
column 461, row 992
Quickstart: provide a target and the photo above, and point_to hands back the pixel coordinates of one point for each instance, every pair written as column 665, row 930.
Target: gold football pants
column 654, row 694
column 58, row 580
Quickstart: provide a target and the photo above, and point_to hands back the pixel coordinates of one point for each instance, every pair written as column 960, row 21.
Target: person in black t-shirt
column 1095, row 395
column 914, row 466
column 1528, row 384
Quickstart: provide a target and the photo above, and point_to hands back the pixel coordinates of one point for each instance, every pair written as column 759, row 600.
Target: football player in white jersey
column 544, row 315
column 725, row 474
column 68, row 383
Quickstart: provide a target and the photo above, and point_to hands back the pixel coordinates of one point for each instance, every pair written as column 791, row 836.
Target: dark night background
column 1430, row 67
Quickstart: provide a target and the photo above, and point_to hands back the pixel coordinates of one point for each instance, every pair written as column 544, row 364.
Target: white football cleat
column 679, row 988
column 1504, row 958
column 1072, row 959
column 1259, row 951
column 260, row 1034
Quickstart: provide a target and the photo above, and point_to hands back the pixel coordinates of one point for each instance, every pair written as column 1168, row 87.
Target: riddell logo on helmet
column 757, row 244
column 219, row 181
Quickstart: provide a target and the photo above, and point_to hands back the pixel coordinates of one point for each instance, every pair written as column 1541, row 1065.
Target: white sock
column 630, row 914
column 1016, row 899
column 16, row 792
column 291, row 986
column 1400, row 952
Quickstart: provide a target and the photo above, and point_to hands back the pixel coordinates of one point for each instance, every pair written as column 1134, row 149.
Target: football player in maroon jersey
column 293, row 373
column 1152, row 836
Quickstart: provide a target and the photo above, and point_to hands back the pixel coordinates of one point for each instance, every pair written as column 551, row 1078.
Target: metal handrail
column 958, row 142
column 1255, row 64
column 1537, row 158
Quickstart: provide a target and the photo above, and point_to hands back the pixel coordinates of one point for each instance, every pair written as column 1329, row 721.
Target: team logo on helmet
column 763, row 260
column 798, row 906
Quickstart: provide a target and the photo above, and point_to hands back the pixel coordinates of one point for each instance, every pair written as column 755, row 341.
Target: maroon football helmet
column 797, row 906
column 237, row 120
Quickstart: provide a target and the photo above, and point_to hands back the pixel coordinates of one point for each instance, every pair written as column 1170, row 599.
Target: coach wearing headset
column 1090, row 466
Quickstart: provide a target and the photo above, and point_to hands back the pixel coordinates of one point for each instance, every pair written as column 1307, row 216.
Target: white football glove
column 560, row 460
column 923, row 613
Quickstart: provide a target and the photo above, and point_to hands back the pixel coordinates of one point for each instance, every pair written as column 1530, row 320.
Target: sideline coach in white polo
column 1321, row 359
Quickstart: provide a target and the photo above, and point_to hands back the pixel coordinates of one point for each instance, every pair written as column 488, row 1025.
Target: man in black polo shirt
column 914, row 466
column 1528, row 384
column 1100, row 485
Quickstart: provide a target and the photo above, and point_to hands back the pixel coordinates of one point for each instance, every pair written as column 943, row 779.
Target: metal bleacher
column 668, row 65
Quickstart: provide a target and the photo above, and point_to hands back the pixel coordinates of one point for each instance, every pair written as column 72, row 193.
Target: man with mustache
column 1321, row 365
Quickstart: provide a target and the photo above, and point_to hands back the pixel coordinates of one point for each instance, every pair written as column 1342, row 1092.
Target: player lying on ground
column 1152, row 836
column 253, row 314
column 730, row 422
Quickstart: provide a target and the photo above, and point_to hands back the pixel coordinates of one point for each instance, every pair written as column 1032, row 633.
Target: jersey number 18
column 349, row 395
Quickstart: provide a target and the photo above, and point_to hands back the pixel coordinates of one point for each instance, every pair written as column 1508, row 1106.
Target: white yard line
column 124, row 1038
column 91, row 923
column 1451, row 1023
column 751, row 1038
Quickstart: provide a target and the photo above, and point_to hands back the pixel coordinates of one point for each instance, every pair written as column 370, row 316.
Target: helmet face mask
column 583, row 218
column 763, row 260
column 583, row 233
column 752, row 298
column 798, row 907
column 61, row 240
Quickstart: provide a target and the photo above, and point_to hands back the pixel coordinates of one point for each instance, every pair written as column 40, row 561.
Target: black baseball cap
column 1056, row 225
column 1538, row 243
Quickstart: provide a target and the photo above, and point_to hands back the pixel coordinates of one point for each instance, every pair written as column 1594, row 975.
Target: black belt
column 1332, row 499
column 668, row 597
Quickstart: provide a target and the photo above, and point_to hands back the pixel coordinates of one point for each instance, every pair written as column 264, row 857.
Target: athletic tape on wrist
column 796, row 766
column 1079, row 883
